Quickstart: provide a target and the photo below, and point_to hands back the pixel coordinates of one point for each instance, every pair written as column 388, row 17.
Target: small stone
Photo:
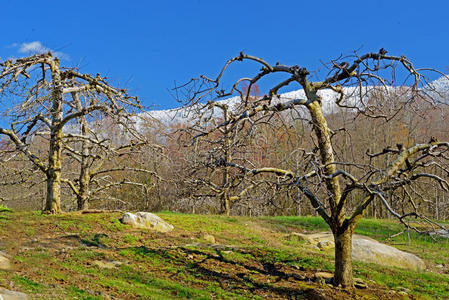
column 402, row 289
column 11, row 295
column 323, row 277
column 444, row 233
column 5, row 264
column 359, row 283
column 325, row 245
column 209, row 238
column 107, row 264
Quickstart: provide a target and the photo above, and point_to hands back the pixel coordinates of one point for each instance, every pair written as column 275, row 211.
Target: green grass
column 4, row 209
column 28, row 285
column 178, row 265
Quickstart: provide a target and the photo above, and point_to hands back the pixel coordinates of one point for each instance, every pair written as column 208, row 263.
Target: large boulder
column 368, row 250
column 11, row 295
column 146, row 220
column 374, row 252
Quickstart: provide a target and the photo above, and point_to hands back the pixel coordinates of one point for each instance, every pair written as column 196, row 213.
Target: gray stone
column 209, row 238
column 324, row 277
column 325, row 245
column 359, row 283
column 402, row 289
column 5, row 264
column 378, row 253
column 368, row 250
column 107, row 264
column 443, row 233
column 11, row 295
column 146, row 220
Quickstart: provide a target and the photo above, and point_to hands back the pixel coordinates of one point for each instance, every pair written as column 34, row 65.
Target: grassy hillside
column 94, row 256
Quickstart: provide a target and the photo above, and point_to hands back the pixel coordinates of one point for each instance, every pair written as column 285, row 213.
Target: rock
column 146, row 220
column 107, row 264
column 5, row 264
column 378, row 253
column 209, row 238
column 443, row 233
column 325, row 245
column 368, row 250
column 11, row 295
column 359, row 283
column 323, row 277
column 403, row 289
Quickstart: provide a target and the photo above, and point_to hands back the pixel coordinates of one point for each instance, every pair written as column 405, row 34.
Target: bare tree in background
column 41, row 97
column 208, row 178
column 17, row 170
column 101, row 162
column 339, row 191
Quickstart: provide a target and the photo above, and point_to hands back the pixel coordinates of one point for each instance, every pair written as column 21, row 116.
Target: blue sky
column 146, row 46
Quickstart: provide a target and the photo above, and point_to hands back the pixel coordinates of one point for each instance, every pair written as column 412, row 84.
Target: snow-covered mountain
column 438, row 90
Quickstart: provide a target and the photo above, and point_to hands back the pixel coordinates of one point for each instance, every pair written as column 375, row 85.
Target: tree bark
column 53, row 203
column 84, row 178
column 83, row 194
column 343, row 258
column 225, row 201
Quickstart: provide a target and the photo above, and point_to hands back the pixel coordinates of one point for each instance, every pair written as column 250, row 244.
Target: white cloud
column 37, row 47
column 33, row 47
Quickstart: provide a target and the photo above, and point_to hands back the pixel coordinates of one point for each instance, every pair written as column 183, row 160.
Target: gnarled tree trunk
column 83, row 195
column 343, row 258
column 53, row 203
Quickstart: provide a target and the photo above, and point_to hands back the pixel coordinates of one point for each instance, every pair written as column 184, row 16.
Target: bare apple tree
column 339, row 191
column 39, row 97
column 100, row 161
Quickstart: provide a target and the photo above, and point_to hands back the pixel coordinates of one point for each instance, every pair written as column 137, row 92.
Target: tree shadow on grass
column 249, row 277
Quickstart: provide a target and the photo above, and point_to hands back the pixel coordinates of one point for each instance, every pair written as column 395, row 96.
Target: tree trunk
column 225, row 203
column 53, row 203
column 343, row 258
column 84, row 179
column 83, row 194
